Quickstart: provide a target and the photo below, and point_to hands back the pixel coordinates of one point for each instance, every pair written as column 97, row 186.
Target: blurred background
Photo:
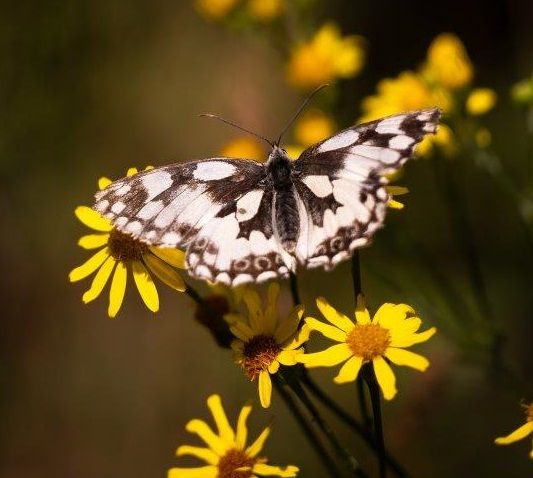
column 91, row 88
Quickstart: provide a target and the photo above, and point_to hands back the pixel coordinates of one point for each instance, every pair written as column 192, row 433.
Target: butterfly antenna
column 300, row 109
column 235, row 125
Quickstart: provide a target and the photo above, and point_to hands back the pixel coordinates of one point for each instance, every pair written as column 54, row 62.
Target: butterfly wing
column 217, row 209
column 341, row 187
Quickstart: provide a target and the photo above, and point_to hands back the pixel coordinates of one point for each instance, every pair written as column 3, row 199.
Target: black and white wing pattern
column 341, row 188
column 218, row 209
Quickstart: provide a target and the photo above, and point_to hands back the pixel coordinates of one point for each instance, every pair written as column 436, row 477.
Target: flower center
column 368, row 340
column 529, row 412
column 123, row 247
column 259, row 352
column 229, row 464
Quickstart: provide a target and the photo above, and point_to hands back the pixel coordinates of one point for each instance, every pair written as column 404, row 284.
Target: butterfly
column 242, row 221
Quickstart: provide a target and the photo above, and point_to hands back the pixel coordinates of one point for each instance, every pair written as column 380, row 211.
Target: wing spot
column 241, row 264
column 262, row 263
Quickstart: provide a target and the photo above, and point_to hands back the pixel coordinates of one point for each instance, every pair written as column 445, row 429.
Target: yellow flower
column 312, row 127
column 265, row 10
column 447, row 62
column 378, row 341
column 244, row 147
column 215, row 9
column 324, row 58
column 480, row 101
column 522, row 432
column 118, row 253
column 408, row 92
column 227, row 454
column 522, row 92
column 263, row 342
column 293, row 150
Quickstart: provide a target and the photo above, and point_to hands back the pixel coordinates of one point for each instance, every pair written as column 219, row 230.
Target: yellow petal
column 271, row 308
column 145, row 286
column 326, row 330
column 274, row 367
column 204, row 454
column 103, row 182
column 224, row 429
column 93, row 241
column 200, row 472
column 407, row 358
column 288, row 327
column 516, row 435
column 269, row 470
column 89, row 266
column 131, row 172
column 203, row 430
column 393, row 204
column 333, row 355
column 392, row 315
column 117, row 290
column 255, row 448
column 336, row 318
column 361, row 312
column 265, row 389
column 174, row 257
column 297, row 340
column 241, row 331
column 253, row 303
column 288, row 357
column 99, row 280
column 397, row 190
column 349, row 371
column 164, row 272
column 385, row 377
column 408, row 339
column 242, row 430
column 92, row 219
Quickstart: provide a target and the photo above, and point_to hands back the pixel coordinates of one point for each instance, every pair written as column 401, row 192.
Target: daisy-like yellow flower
column 244, row 147
column 118, row 253
column 227, row 454
column 264, row 342
column 522, row 432
column 407, row 92
column 325, row 57
column 448, row 63
column 480, row 101
column 377, row 341
column 313, row 127
column 215, row 9
column 265, row 10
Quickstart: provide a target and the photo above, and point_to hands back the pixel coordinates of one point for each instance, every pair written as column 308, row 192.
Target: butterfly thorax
column 287, row 219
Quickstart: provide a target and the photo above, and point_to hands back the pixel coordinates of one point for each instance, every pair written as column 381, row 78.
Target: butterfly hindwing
column 341, row 186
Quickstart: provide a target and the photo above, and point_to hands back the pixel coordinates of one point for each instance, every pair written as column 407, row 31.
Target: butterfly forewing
column 340, row 184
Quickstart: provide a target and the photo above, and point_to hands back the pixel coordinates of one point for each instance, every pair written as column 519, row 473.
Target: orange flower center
column 529, row 412
column 368, row 340
column 125, row 248
column 259, row 352
column 229, row 464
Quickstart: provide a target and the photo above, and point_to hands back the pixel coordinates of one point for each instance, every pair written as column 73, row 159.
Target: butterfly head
column 279, row 167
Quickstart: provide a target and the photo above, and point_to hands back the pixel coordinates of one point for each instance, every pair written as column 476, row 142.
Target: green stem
column 373, row 388
column 361, row 395
column 346, row 418
column 314, row 441
column 292, row 381
column 356, row 274
column 293, row 282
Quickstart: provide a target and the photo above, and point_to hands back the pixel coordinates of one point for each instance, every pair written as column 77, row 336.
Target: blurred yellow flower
column 377, row 341
column 227, row 454
column 119, row 252
column 312, row 127
column 244, row 147
column 522, row 92
column 324, row 58
column 215, row 9
column 522, row 432
column 293, row 150
column 265, row 10
column 480, row 101
column 447, row 62
column 265, row 342
column 408, row 92
column 443, row 139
